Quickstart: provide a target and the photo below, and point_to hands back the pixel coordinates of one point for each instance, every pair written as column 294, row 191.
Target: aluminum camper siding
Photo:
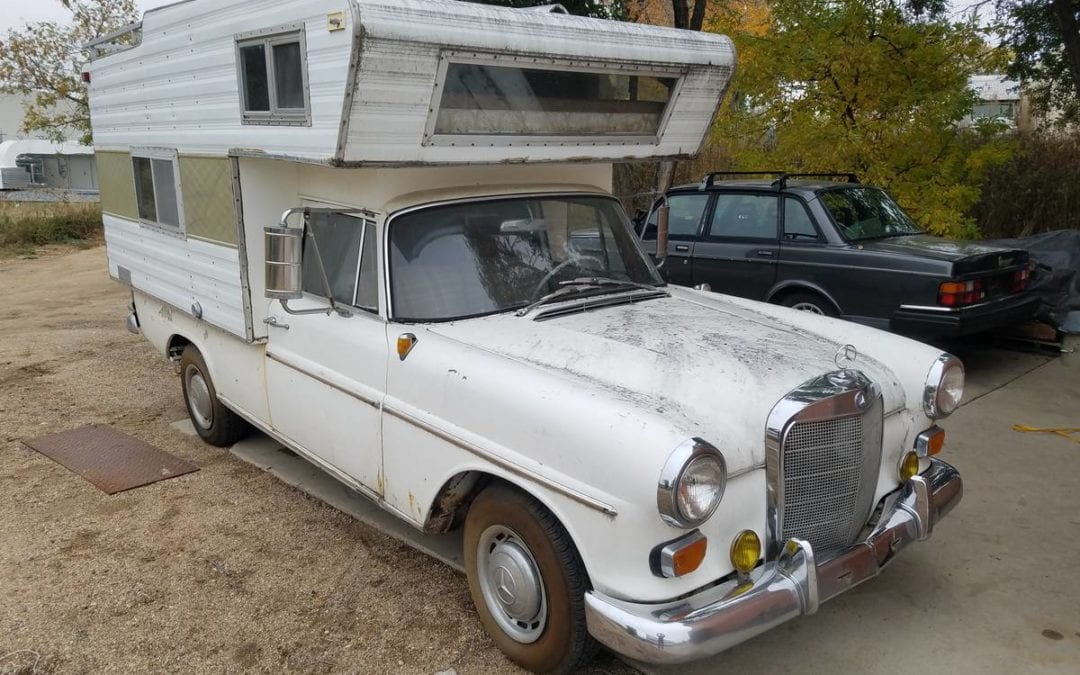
column 372, row 86
column 403, row 42
column 180, row 89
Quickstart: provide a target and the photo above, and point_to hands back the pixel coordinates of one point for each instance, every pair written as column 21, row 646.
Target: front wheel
column 527, row 581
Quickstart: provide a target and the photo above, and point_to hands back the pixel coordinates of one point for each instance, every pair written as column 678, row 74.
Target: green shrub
column 1036, row 190
column 24, row 225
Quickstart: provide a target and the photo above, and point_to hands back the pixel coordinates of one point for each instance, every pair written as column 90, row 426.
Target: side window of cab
column 684, row 216
column 347, row 249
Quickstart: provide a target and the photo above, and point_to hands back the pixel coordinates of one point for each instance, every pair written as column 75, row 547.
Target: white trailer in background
column 456, row 320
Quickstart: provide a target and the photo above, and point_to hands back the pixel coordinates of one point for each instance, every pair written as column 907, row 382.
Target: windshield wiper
column 603, row 281
column 574, row 286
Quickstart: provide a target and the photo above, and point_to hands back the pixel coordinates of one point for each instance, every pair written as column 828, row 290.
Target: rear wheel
column 809, row 302
column 527, row 581
column 215, row 424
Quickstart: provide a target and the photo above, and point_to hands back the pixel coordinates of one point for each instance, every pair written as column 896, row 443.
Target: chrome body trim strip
column 932, row 308
column 339, row 386
column 577, row 496
column 795, row 583
column 837, row 394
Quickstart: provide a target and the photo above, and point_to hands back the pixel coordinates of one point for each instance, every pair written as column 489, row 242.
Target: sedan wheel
column 527, row 581
column 511, row 583
column 809, row 302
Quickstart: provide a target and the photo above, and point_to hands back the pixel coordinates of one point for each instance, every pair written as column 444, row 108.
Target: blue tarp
column 1056, row 279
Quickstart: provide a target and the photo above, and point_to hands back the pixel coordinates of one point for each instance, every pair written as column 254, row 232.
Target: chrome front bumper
column 721, row 617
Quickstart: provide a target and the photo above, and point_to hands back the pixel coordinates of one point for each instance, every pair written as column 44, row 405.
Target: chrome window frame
column 840, row 393
column 173, row 156
column 269, row 38
column 542, row 63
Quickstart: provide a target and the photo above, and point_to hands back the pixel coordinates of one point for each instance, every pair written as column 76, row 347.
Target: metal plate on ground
column 110, row 459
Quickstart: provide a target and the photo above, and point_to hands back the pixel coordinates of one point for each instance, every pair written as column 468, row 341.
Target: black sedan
column 837, row 248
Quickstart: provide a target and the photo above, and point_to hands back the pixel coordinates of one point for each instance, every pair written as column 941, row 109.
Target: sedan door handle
column 682, row 248
column 765, row 253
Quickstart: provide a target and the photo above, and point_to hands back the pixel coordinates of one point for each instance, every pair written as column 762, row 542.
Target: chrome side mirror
column 284, row 262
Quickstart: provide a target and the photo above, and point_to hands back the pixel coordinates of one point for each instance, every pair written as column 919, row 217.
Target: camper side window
column 157, row 188
column 273, row 78
column 347, row 248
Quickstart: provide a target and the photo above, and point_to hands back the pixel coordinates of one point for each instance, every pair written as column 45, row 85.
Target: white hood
column 714, row 366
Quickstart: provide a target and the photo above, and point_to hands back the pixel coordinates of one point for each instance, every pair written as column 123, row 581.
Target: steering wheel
column 559, row 268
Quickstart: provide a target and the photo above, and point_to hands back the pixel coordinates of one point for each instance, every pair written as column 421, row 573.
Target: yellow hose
column 1064, row 432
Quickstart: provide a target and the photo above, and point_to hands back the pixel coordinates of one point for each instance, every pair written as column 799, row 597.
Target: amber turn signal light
column 405, row 343
column 682, row 556
column 930, row 442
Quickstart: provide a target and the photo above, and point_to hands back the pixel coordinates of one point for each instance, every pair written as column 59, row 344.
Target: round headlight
column 691, row 484
column 944, row 387
column 700, row 487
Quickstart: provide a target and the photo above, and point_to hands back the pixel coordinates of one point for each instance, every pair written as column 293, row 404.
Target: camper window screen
column 272, row 79
column 479, row 99
column 155, row 191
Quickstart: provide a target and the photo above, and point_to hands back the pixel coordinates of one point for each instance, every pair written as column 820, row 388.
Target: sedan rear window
column 866, row 213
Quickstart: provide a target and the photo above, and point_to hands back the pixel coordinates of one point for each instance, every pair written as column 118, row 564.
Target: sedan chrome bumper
column 721, row 617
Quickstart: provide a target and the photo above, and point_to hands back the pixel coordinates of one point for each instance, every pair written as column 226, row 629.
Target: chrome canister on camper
column 284, row 258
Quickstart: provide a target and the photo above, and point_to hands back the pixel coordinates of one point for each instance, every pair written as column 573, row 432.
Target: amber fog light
column 909, row 466
column 745, row 551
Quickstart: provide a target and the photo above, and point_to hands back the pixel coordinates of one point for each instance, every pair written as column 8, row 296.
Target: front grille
column 829, row 469
column 822, row 471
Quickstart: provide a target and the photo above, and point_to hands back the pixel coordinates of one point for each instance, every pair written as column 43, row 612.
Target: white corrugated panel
column 180, row 88
column 179, row 272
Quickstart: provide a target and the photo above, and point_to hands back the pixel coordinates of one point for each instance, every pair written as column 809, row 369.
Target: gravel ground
column 226, row 569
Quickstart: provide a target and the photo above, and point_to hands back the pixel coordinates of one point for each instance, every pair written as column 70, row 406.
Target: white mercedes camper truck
column 381, row 231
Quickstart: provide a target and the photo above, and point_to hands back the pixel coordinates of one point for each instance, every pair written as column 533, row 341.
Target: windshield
column 866, row 213
column 470, row 259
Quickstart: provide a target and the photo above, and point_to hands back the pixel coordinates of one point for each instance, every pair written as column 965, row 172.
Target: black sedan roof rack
column 781, row 177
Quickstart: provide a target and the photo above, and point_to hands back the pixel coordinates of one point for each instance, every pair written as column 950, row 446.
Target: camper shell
column 474, row 339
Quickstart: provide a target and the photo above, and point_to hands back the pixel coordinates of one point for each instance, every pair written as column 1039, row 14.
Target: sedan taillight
column 1019, row 280
column 961, row 293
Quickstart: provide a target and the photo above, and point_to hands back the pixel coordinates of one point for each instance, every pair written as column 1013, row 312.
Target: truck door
column 684, row 226
column 325, row 374
column 739, row 251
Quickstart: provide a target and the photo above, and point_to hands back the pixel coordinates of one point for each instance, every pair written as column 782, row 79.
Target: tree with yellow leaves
column 863, row 86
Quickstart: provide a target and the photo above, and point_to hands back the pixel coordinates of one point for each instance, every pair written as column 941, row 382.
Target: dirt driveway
column 229, row 569
column 226, row 569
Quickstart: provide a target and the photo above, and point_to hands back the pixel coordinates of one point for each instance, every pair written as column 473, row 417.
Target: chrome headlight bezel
column 933, row 406
column 667, row 490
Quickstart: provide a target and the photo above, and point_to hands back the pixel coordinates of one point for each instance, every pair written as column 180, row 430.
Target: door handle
column 765, row 253
column 682, row 248
column 273, row 321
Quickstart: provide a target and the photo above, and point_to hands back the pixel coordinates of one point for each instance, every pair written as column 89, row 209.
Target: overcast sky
column 16, row 13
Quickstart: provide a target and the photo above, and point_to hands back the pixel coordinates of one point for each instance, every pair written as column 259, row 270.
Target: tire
column 215, row 424
column 809, row 302
column 506, row 529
